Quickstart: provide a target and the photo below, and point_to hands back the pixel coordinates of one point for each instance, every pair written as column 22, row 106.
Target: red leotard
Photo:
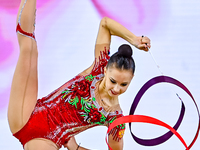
column 19, row 29
column 71, row 109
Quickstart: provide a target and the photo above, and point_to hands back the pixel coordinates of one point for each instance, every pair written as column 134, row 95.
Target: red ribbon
column 143, row 119
column 146, row 119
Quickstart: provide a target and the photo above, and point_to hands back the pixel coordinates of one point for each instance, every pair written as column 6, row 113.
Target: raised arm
column 109, row 27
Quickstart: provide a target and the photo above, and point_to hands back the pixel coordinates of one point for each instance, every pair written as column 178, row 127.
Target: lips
column 114, row 93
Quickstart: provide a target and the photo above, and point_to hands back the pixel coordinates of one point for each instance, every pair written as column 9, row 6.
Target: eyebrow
column 115, row 81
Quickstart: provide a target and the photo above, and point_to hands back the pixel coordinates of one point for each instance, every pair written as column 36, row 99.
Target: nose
column 116, row 88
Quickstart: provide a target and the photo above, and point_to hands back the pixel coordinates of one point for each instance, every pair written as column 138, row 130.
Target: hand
column 142, row 43
column 71, row 144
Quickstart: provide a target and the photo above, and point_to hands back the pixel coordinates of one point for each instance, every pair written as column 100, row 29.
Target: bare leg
column 24, row 87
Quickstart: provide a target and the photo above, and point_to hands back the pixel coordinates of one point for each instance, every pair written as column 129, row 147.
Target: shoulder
column 101, row 48
column 102, row 52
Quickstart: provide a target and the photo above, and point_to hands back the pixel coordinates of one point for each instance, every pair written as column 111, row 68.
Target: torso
column 69, row 110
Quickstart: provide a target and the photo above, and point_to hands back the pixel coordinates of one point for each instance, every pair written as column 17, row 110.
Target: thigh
column 24, row 88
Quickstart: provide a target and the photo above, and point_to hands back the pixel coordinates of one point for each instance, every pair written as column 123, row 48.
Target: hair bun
column 125, row 50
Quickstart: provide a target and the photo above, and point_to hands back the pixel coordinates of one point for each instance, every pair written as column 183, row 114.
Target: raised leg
column 24, row 87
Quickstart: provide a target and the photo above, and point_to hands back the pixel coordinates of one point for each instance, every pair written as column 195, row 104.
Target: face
column 117, row 81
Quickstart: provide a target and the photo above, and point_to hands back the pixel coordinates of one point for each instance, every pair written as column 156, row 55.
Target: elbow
column 104, row 22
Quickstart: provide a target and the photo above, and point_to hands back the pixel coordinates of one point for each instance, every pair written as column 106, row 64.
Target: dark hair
column 122, row 59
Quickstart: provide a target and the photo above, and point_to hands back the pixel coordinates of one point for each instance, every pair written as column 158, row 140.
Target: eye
column 124, row 84
column 111, row 80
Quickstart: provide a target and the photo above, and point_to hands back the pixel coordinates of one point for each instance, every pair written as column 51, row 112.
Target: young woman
column 89, row 99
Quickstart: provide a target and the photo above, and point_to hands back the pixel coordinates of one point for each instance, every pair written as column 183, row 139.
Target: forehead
column 120, row 75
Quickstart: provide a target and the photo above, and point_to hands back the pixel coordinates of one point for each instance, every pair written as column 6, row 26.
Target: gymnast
column 89, row 99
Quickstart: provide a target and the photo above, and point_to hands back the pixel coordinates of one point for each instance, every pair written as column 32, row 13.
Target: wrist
column 134, row 40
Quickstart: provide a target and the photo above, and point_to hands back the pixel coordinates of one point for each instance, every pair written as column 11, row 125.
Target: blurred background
column 66, row 32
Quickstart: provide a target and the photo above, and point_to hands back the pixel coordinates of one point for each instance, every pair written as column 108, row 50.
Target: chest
column 80, row 96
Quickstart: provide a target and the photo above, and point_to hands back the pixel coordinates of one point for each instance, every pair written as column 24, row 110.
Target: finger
column 143, row 47
column 146, row 49
column 146, row 40
column 148, row 45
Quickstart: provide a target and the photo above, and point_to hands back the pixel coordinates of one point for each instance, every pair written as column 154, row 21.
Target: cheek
column 123, row 89
column 108, row 85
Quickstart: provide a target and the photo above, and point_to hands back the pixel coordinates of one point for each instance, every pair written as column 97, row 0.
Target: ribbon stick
column 156, row 62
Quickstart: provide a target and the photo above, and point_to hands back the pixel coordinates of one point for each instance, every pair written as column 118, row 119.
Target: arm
column 115, row 145
column 109, row 27
column 72, row 145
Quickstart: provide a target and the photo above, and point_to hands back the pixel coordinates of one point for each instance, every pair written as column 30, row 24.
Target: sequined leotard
column 71, row 109
column 19, row 29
